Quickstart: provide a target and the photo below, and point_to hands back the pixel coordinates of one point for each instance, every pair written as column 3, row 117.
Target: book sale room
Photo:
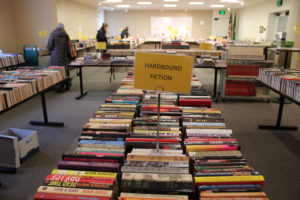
column 149, row 100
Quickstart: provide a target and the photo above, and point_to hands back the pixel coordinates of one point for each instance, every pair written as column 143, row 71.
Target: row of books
column 92, row 171
column 21, row 84
column 285, row 81
column 156, row 167
column 7, row 60
column 219, row 170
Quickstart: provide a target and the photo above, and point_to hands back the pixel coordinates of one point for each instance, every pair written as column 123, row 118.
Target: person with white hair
column 59, row 46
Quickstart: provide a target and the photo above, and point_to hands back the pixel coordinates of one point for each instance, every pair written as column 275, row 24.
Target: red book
column 53, row 196
column 195, row 102
column 81, row 179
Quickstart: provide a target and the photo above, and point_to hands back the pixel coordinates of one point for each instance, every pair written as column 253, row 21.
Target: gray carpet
column 274, row 153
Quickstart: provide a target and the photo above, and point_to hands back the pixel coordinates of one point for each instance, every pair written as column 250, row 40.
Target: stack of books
column 7, row 60
column 197, row 87
column 21, row 84
column 92, row 170
column 69, row 184
column 285, row 81
column 220, row 171
column 149, row 172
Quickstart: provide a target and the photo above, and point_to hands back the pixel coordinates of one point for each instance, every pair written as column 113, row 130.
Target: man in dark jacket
column 101, row 35
column 58, row 44
column 124, row 33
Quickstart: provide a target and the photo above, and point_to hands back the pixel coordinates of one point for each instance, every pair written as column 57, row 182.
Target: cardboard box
column 27, row 143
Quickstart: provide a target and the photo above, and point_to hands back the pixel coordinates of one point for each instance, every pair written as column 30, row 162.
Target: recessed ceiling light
column 228, row 9
column 217, row 6
column 112, row 9
column 196, row 3
column 112, row 1
column 170, row 0
column 144, row 2
column 122, row 6
column 230, row 1
column 99, row 3
column 170, row 5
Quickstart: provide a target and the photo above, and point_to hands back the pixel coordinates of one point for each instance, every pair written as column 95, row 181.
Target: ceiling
column 159, row 4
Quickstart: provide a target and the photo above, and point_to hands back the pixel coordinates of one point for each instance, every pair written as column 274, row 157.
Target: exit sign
column 279, row 2
column 222, row 12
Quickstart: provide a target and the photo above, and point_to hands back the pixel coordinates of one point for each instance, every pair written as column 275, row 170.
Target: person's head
column 126, row 28
column 104, row 26
column 60, row 26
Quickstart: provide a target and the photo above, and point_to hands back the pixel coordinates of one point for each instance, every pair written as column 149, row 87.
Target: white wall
column 77, row 18
column 7, row 31
column 32, row 16
column 139, row 21
column 250, row 18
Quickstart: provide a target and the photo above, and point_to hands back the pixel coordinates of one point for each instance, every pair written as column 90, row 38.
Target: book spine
column 83, row 173
column 83, row 185
column 53, row 196
column 75, row 191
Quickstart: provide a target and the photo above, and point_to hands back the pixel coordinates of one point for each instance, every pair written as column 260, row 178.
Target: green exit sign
column 222, row 12
column 279, row 2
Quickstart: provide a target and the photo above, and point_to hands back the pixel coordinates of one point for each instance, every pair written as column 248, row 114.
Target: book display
column 117, row 155
column 10, row 60
column 285, row 81
column 19, row 85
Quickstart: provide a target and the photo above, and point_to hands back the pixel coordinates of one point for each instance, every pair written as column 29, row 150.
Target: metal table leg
column 46, row 122
column 82, row 93
column 278, row 126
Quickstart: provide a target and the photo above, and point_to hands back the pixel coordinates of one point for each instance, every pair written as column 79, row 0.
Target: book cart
column 243, row 64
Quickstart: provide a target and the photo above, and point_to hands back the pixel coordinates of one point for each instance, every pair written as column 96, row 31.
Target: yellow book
column 229, row 179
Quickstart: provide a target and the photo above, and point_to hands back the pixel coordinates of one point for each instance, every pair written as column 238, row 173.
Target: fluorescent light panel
column 170, row 5
column 122, row 6
column 112, row 1
column 196, row 3
column 230, row 1
column 217, row 6
column 144, row 2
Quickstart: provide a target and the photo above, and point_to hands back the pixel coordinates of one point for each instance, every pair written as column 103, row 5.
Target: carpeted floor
column 276, row 154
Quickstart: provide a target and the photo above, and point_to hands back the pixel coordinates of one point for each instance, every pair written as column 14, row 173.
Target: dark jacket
column 58, row 44
column 124, row 34
column 101, row 35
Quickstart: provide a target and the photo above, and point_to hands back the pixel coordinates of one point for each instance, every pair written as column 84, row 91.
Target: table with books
column 221, row 66
column 117, row 156
column 112, row 63
column 286, row 83
column 21, row 85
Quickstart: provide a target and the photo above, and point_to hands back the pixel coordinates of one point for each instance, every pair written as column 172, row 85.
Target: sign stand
column 158, row 117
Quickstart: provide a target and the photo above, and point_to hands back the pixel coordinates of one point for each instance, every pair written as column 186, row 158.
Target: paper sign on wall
column 160, row 72
column 101, row 45
column 43, row 34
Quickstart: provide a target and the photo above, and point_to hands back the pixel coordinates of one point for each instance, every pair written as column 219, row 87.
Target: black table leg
column 46, row 122
column 215, row 85
column 277, row 126
column 111, row 72
column 286, row 58
column 82, row 93
column 215, row 82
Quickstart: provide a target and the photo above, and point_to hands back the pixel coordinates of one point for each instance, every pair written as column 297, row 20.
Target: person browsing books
column 59, row 46
column 101, row 35
column 125, row 33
